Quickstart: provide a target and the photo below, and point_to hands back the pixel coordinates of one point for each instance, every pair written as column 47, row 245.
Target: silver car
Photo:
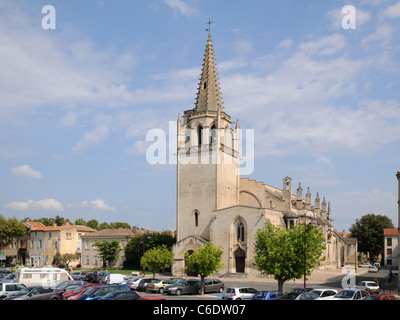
column 350, row 294
column 241, row 293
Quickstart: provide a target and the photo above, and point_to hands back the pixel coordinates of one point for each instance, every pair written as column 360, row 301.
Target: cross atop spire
column 209, row 92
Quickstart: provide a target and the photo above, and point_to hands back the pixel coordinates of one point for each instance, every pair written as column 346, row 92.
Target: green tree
column 285, row 254
column 94, row 224
column 157, row 258
column 369, row 233
column 108, row 250
column 135, row 247
column 204, row 261
column 10, row 230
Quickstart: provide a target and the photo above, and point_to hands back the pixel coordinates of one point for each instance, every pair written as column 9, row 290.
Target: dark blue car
column 267, row 295
column 95, row 293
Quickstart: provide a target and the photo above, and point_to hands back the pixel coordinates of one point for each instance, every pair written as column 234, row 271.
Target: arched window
column 240, row 232
column 213, row 135
column 200, row 135
column 196, row 218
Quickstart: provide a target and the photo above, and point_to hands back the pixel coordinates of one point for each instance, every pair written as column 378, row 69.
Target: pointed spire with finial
column 209, row 92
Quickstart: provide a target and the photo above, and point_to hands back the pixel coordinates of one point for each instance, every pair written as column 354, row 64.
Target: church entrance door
column 240, row 259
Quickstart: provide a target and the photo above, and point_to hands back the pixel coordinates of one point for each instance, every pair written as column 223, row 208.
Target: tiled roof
column 67, row 225
column 106, row 233
column 390, row 232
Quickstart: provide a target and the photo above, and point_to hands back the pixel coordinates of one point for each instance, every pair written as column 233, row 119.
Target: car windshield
column 230, row 290
column 23, row 292
column 260, row 294
column 347, row 294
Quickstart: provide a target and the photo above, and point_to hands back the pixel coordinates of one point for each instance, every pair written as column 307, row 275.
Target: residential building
column 391, row 251
column 46, row 241
column 90, row 258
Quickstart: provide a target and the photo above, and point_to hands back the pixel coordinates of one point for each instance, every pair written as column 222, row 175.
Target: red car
column 381, row 297
column 72, row 295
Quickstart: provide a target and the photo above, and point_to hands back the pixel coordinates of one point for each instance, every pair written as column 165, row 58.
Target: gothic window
column 205, row 86
column 240, row 232
column 200, row 135
column 213, row 135
column 196, row 218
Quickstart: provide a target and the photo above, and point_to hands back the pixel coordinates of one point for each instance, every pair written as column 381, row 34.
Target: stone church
column 215, row 205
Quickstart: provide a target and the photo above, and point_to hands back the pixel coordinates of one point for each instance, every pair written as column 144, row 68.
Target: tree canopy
column 285, row 254
column 157, row 258
column 108, row 250
column 10, row 230
column 369, row 233
column 204, row 261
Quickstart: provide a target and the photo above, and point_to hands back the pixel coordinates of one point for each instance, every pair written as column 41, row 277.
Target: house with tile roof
column 91, row 259
column 391, row 251
column 45, row 242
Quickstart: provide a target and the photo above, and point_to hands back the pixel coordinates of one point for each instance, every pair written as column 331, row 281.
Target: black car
column 143, row 284
column 35, row 293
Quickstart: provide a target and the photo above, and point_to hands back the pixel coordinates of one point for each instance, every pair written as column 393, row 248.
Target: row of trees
column 93, row 223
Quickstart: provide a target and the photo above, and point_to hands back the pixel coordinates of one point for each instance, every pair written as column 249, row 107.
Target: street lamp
column 305, row 245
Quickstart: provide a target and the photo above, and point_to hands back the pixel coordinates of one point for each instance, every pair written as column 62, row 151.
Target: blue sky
column 76, row 102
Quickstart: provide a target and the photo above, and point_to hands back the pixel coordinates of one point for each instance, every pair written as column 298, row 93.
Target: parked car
column 213, row 285
column 364, row 265
column 35, row 293
column 241, row 293
column 121, row 295
column 184, row 286
column 91, row 277
column 381, row 297
column 373, row 269
column 9, row 288
column 307, row 296
column 133, row 282
column 101, row 276
column 79, row 275
column 142, row 285
column 95, row 293
column 267, row 295
column 10, row 278
column 115, row 278
column 301, row 290
column 291, row 295
column 350, row 294
column 160, row 285
column 73, row 294
column 370, row 286
column 324, row 293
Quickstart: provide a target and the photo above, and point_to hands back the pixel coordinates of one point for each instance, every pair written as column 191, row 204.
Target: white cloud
column 26, row 171
column 98, row 204
column 89, row 138
column 324, row 160
column 393, row 11
column 46, row 204
column 182, row 7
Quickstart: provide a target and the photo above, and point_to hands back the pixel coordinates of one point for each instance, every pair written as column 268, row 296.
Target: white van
column 41, row 276
column 115, row 278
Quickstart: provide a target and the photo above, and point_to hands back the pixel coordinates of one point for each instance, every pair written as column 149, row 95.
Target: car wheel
column 161, row 290
column 221, row 290
column 178, row 292
column 199, row 291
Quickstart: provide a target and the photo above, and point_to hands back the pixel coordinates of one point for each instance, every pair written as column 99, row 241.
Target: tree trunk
column 202, row 284
column 280, row 285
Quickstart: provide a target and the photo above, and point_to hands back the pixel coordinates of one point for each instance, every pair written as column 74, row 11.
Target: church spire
column 209, row 92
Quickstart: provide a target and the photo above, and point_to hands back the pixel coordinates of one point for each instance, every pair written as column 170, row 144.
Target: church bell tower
column 207, row 156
